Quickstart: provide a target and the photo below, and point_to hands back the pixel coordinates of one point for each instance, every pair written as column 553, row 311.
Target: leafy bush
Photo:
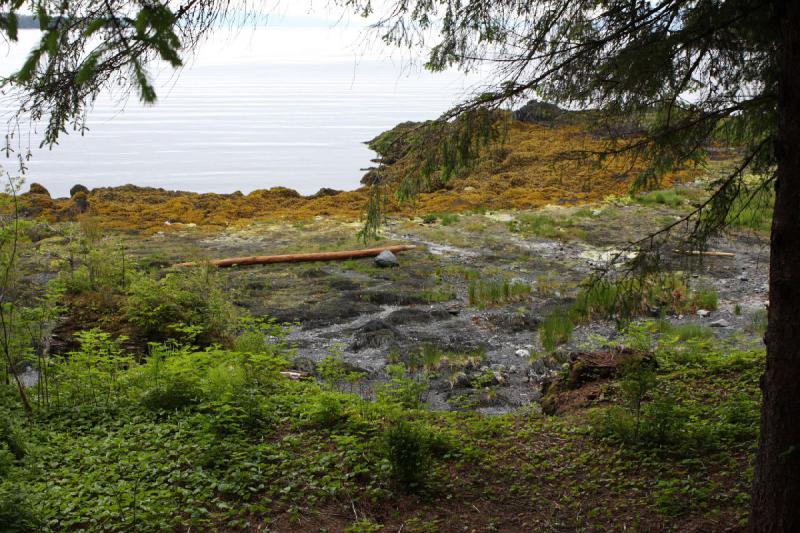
column 11, row 438
column 408, row 451
column 329, row 410
column 160, row 307
column 16, row 515
column 402, row 390
column 174, row 393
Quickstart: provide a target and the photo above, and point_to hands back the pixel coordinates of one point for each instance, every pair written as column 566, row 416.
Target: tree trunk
column 776, row 491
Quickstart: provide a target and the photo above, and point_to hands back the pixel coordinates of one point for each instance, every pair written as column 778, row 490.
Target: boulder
column 386, row 259
column 325, row 191
column 375, row 334
column 721, row 323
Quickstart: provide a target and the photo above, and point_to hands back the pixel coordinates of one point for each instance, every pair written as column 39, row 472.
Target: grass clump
column 437, row 295
column 684, row 332
column 628, row 297
column 555, row 330
column 483, row 294
column 670, row 197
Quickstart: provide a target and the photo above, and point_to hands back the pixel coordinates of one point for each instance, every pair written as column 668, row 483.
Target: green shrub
column 174, row 393
column 329, row 410
column 159, row 308
column 638, row 379
column 408, row 451
column 16, row 514
column 402, row 390
column 555, row 329
column 11, row 438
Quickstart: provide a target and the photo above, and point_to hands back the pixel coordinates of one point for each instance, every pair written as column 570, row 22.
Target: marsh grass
column 483, row 294
column 556, row 329
column 632, row 296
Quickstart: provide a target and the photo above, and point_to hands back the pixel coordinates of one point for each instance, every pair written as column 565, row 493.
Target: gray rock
column 703, row 312
column 522, row 353
column 386, row 259
column 721, row 323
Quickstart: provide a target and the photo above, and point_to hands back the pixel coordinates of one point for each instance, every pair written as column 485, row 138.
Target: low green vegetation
column 631, row 296
column 556, row 329
column 548, row 226
column 445, row 219
column 487, row 293
column 668, row 197
column 753, row 210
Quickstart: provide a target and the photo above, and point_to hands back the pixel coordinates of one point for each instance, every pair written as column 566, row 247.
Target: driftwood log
column 709, row 253
column 298, row 258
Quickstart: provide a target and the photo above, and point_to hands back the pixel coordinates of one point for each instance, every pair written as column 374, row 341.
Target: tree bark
column 776, row 490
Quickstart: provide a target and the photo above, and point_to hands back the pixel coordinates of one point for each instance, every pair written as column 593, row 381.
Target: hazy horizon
column 285, row 105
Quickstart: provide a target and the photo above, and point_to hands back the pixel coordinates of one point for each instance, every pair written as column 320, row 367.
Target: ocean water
column 248, row 115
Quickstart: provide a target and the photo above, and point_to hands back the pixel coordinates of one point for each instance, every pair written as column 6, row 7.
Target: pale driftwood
column 298, row 258
column 705, row 253
column 294, row 375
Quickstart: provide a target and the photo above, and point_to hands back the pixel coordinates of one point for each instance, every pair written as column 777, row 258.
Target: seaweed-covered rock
column 325, row 191
column 38, row 189
column 80, row 202
column 78, row 188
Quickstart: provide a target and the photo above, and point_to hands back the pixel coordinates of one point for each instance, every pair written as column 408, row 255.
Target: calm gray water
column 248, row 124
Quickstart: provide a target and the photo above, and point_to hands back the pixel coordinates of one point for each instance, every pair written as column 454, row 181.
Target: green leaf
column 94, row 26
column 88, row 68
column 11, row 26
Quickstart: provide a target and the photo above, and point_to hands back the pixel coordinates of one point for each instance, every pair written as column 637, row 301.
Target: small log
column 294, row 375
column 708, row 253
column 298, row 258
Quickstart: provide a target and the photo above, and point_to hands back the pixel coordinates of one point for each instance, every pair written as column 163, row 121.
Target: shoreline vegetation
column 526, row 169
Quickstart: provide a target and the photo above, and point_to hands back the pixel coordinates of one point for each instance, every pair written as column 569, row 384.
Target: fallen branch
column 705, row 253
column 298, row 258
